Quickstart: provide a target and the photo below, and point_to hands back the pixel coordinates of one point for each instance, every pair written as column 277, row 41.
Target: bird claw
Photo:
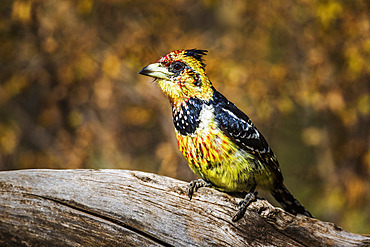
column 243, row 204
column 250, row 197
column 195, row 185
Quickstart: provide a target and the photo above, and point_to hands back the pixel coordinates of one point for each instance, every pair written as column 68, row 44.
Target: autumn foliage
column 70, row 95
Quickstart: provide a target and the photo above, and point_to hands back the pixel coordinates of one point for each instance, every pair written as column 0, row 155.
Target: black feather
column 237, row 126
column 186, row 118
column 198, row 55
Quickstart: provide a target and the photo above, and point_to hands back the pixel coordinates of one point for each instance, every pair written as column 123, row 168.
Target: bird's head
column 181, row 76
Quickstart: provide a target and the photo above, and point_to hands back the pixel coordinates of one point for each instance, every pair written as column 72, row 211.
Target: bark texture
column 132, row 208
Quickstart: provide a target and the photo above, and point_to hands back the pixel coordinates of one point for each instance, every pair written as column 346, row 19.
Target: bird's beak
column 156, row 70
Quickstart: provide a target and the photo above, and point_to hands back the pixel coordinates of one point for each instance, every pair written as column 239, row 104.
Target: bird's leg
column 195, row 185
column 243, row 204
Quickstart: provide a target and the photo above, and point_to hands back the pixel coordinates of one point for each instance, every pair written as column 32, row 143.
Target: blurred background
column 71, row 96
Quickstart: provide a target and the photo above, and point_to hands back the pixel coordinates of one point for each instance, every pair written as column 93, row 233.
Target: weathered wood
column 131, row 208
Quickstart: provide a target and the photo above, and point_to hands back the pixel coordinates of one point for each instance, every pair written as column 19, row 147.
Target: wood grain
column 132, row 208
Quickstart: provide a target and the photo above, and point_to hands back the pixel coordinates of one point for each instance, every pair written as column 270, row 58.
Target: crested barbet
column 221, row 144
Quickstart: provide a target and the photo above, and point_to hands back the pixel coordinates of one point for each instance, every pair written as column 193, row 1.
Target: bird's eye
column 177, row 66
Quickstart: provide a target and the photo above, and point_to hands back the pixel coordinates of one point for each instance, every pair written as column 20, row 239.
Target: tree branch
column 131, row 208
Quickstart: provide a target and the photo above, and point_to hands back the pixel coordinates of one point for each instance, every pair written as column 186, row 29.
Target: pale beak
column 156, row 70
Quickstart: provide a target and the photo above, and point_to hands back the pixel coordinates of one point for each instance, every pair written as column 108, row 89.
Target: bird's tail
column 288, row 202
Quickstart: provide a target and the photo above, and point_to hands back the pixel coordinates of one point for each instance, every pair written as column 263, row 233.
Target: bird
column 219, row 141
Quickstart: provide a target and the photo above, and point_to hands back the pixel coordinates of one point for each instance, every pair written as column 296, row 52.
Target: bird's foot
column 243, row 204
column 195, row 185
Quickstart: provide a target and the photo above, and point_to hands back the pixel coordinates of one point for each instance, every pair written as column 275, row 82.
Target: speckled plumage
column 219, row 141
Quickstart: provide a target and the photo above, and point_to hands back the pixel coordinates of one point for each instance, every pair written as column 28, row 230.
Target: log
column 133, row 208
